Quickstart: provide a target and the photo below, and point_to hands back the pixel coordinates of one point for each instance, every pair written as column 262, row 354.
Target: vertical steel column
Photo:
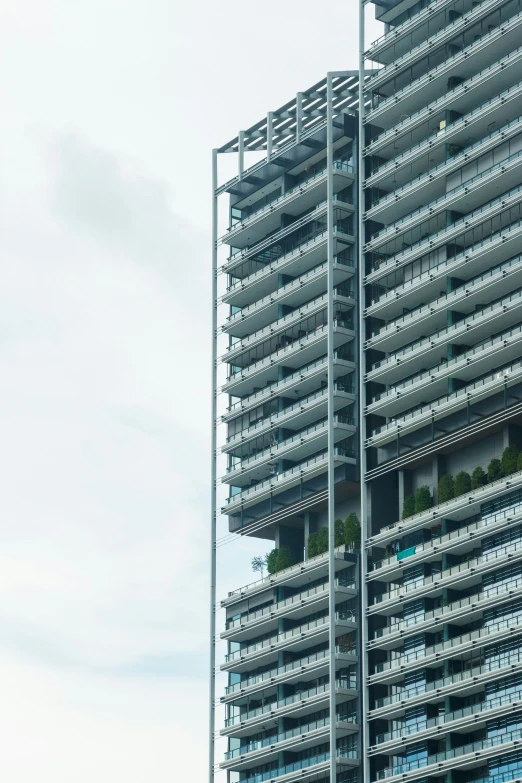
column 298, row 116
column 362, row 405
column 213, row 509
column 241, row 153
column 331, row 439
column 269, row 134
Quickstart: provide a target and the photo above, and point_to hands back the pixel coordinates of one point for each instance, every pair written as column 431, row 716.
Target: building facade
column 367, row 414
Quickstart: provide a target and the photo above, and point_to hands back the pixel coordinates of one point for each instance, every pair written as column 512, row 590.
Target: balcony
column 408, row 201
column 285, row 326
column 299, row 704
column 490, row 80
column 431, row 43
column 469, row 263
column 294, row 607
column 480, row 359
column 301, row 770
column 464, row 609
column 394, row 670
column 294, row 294
column 474, row 716
column 295, row 447
column 316, row 665
column 500, row 41
column 401, row 36
column 457, row 508
column 306, row 378
column 298, row 738
column 295, row 576
column 295, row 354
column 475, row 121
column 288, row 478
column 476, row 326
column 462, row 574
column 301, row 413
column 438, row 409
column 295, row 201
column 296, row 639
column 462, row 197
column 464, row 756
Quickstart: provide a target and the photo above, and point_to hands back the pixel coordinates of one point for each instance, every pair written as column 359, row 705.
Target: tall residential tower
column 367, row 414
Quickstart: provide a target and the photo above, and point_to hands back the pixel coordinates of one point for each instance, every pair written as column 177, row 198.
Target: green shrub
column 509, row 461
column 423, row 500
column 352, row 531
column 478, row 478
column 312, row 545
column 339, row 533
column 446, row 488
column 408, row 507
column 494, row 470
column 284, row 558
column 519, row 461
column 271, row 559
column 462, row 483
column 322, row 541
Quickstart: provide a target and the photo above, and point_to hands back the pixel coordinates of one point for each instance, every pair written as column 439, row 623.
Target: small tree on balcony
column 271, row 559
column 322, row 541
column 284, row 559
column 259, row 564
column 352, row 531
column 423, row 500
column 339, row 532
column 478, row 478
column 494, row 470
column 462, row 483
column 519, row 461
column 509, row 461
column 446, row 490
column 312, row 545
column 408, row 506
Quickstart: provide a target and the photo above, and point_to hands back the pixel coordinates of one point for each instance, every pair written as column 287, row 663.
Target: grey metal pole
column 213, row 509
column 362, row 404
column 331, row 439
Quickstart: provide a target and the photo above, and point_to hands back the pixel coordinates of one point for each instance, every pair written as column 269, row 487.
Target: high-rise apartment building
column 368, row 328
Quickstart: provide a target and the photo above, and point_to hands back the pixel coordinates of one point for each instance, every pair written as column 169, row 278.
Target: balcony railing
column 255, row 679
column 339, row 165
column 346, row 683
column 271, row 421
column 317, row 332
column 477, row 80
column 298, row 731
column 297, row 283
column 439, row 38
column 473, row 674
column 474, row 354
column 440, row 204
column 289, row 635
column 312, row 761
column 439, row 136
column 391, row 37
column 447, row 755
column 457, row 641
column 301, row 468
column 452, row 163
column 462, row 568
column 426, row 343
column 480, row 43
column 297, row 438
column 450, row 401
column 449, row 717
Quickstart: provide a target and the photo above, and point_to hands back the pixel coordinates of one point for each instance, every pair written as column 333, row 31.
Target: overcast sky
column 109, row 110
